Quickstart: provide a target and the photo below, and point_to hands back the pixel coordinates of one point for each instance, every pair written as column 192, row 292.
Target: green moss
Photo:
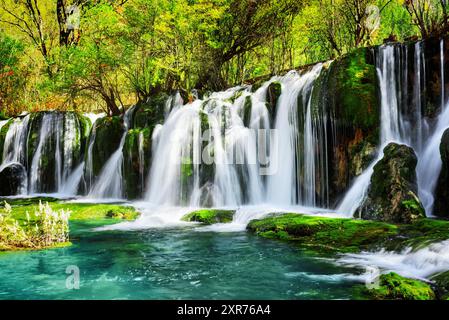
column 356, row 81
column 79, row 211
column 210, row 216
column 394, row 287
column 329, row 234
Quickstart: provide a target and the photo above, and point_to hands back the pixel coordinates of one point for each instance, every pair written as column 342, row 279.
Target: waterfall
column 109, row 183
column 48, row 145
column 58, row 134
column 443, row 93
column 402, row 122
column 14, row 148
column 211, row 152
column 283, row 186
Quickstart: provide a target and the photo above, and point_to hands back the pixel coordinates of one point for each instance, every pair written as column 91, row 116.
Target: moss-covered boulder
column 322, row 233
column 393, row 192
column 441, row 205
column 12, row 178
column 108, row 133
column 395, row 287
column 210, row 216
column 346, row 111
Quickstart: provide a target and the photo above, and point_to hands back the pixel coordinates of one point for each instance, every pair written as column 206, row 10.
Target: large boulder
column 441, row 205
column 392, row 195
column 12, row 178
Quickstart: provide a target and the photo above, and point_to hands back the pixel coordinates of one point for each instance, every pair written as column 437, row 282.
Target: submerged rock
column 395, row 287
column 441, row 206
column 12, row 178
column 392, row 195
column 210, row 216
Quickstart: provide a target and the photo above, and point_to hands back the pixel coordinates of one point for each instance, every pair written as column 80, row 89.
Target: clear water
column 172, row 264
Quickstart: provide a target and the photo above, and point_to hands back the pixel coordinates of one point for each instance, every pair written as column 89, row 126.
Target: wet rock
column 392, row 195
column 441, row 205
column 12, row 178
column 210, row 216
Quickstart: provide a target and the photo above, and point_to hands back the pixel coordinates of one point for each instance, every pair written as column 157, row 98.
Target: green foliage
column 394, row 287
column 129, row 50
column 210, row 216
column 44, row 227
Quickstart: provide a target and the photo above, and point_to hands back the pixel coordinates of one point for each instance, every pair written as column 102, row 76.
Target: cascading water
column 48, row 146
column 215, row 128
column 109, row 183
column 14, row 148
column 403, row 123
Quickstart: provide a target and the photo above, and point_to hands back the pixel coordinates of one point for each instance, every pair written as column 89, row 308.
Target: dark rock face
column 392, row 195
column 441, row 205
column 11, row 179
column 137, row 148
column 347, row 109
column 108, row 132
column 274, row 91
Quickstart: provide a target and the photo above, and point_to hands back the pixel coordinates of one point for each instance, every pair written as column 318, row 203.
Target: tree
column 430, row 16
column 10, row 77
column 95, row 66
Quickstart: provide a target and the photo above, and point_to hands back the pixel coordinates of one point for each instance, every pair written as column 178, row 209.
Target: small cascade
column 14, row 148
column 418, row 264
column 72, row 182
column 109, row 183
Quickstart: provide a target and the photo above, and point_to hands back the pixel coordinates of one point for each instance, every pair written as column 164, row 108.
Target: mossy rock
column 392, row 194
column 395, row 287
column 210, row 216
column 345, row 105
column 151, row 112
column 121, row 213
column 323, row 233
